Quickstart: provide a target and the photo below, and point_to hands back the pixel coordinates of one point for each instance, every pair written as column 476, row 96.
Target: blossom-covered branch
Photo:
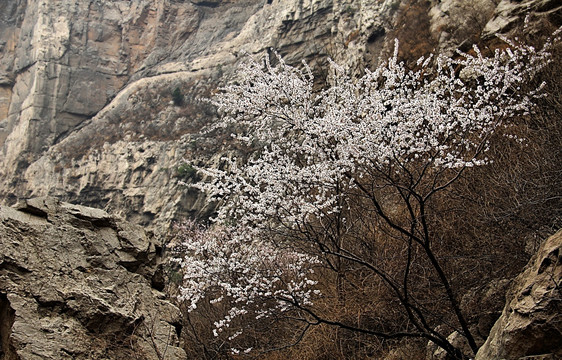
column 394, row 133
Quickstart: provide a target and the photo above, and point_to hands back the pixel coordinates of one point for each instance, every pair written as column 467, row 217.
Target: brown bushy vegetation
column 488, row 224
column 412, row 29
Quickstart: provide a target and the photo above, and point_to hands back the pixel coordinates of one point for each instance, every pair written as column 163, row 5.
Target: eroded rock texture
column 531, row 321
column 76, row 283
column 85, row 93
column 63, row 129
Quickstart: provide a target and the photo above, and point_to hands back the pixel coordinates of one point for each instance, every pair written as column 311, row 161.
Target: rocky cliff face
column 86, row 115
column 85, row 87
column 77, row 283
column 85, row 92
column 62, row 65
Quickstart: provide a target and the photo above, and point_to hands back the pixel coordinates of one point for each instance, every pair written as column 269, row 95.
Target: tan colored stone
column 531, row 322
column 77, row 283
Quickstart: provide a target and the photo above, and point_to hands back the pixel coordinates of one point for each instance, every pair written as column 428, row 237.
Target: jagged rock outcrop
column 529, row 326
column 77, row 283
column 508, row 14
column 531, row 321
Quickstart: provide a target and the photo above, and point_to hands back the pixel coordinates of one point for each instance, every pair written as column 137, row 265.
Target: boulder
column 530, row 325
column 78, row 283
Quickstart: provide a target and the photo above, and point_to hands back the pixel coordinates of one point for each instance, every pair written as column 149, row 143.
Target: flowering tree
column 367, row 153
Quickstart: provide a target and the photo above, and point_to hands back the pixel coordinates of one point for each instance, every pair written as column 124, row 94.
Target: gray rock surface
column 77, row 283
column 458, row 23
column 85, row 93
column 531, row 321
column 483, row 306
column 508, row 14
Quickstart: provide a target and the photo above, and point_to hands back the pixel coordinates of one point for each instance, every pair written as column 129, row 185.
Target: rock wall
column 85, row 92
column 85, row 87
column 63, row 62
column 77, row 283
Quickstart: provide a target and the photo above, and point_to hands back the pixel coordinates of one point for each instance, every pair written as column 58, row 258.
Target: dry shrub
column 495, row 217
column 487, row 226
column 355, row 296
column 412, row 29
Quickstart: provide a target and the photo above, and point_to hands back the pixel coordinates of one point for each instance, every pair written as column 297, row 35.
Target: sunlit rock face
column 86, row 110
column 78, row 283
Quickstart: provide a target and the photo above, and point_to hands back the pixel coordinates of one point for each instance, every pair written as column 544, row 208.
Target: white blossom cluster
column 438, row 116
column 219, row 264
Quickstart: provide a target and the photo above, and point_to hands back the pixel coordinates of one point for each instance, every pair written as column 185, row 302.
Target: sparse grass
column 185, row 172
